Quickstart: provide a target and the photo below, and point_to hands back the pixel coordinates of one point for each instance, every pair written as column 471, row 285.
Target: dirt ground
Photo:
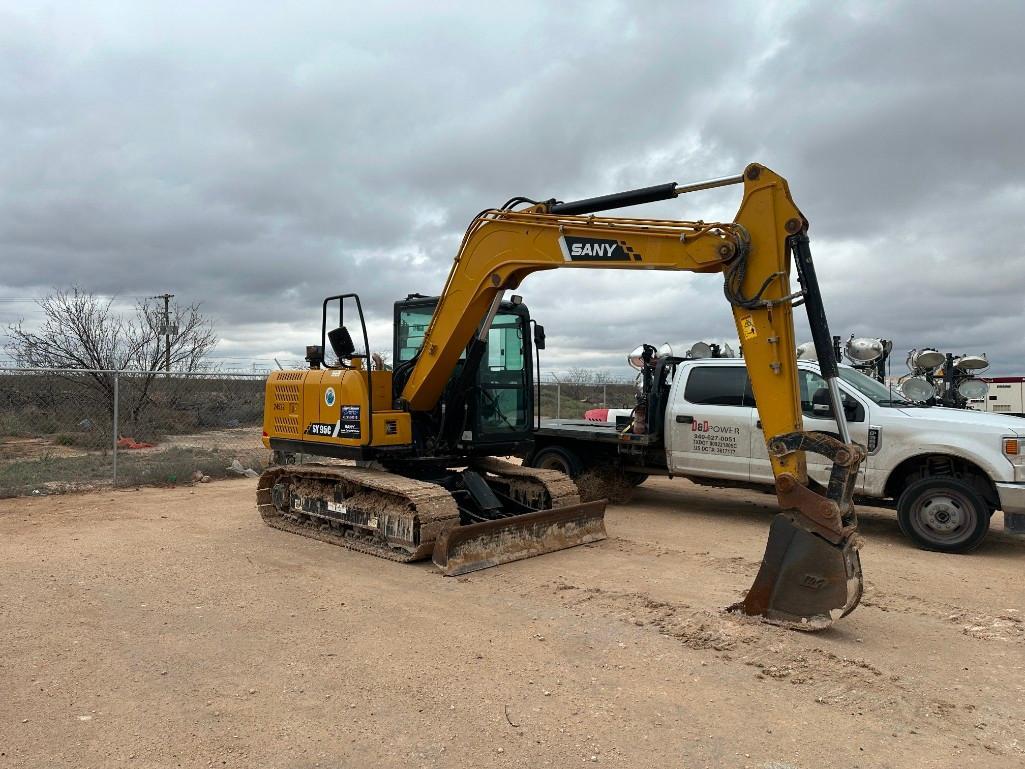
column 170, row 627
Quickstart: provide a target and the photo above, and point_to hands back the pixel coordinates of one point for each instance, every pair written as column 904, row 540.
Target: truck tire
column 636, row 479
column 943, row 514
column 558, row 458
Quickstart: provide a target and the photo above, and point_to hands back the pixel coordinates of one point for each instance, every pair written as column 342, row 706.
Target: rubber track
column 434, row 506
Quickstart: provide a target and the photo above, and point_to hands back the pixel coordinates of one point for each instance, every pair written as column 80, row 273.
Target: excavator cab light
column 314, row 355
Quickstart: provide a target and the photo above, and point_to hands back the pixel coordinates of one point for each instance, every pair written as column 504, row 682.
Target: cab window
column 413, row 323
column 503, row 378
column 810, row 383
column 718, row 386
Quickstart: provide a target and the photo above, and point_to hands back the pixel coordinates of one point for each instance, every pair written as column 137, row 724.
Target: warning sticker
column 349, row 424
column 747, row 326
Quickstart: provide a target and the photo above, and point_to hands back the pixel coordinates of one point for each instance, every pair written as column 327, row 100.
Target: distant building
column 1006, row 395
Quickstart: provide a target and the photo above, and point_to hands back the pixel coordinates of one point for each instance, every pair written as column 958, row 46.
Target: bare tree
column 83, row 331
column 586, row 384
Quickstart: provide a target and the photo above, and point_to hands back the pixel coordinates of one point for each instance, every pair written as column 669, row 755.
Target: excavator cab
column 497, row 395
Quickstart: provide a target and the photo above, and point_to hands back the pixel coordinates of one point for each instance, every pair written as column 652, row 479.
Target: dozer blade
column 462, row 549
column 805, row 581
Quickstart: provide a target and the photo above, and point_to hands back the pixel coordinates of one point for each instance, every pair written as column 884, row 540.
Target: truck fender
column 939, row 462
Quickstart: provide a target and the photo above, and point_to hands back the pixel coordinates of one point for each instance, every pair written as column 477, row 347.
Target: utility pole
column 166, row 328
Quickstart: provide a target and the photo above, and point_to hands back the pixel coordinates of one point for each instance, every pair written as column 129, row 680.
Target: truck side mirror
column 822, row 407
column 820, row 404
column 539, row 336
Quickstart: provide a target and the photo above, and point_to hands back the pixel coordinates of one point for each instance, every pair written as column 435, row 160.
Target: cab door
column 709, row 423
column 819, row 466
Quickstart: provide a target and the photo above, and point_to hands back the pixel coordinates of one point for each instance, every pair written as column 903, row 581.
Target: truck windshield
column 879, row 393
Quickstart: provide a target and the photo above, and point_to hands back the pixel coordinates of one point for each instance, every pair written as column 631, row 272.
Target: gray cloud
column 256, row 161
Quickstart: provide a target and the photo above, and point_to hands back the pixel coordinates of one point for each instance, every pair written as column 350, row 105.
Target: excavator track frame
column 432, row 516
column 431, row 509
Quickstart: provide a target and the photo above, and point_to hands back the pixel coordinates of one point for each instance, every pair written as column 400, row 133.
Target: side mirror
column 820, row 403
column 341, row 342
column 822, row 407
column 850, row 407
column 539, row 337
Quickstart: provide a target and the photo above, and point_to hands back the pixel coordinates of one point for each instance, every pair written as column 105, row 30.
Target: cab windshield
column 873, row 389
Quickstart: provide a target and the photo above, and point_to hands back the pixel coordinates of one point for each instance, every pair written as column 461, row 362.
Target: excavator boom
column 811, row 572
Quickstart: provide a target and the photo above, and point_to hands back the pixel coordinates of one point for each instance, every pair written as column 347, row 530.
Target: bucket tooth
column 463, row 549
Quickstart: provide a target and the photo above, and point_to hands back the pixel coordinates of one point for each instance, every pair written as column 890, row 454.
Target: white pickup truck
column 946, row 470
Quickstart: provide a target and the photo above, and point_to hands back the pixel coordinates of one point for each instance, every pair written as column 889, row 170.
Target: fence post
column 604, row 396
column 114, row 479
column 558, row 400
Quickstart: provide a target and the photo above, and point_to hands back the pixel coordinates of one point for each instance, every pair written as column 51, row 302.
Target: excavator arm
column 811, row 572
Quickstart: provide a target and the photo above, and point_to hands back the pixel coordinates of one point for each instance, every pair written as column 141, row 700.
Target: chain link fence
column 561, row 399
column 65, row 430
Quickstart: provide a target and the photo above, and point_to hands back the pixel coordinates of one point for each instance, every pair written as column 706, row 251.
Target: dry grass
column 50, row 474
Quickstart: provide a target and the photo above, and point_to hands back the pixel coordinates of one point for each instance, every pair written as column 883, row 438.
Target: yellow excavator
column 426, row 435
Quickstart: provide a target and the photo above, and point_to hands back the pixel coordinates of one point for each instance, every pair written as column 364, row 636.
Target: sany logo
column 595, row 249
column 699, row 427
column 592, row 249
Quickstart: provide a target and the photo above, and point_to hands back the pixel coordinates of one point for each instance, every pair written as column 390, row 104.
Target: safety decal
column 329, row 396
column 349, row 423
column 747, row 326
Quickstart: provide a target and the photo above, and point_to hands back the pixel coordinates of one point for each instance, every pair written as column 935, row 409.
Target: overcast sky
column 257, row 159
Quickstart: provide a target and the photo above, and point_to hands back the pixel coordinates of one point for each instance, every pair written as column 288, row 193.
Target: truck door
column 818, row 466
column 708, row 423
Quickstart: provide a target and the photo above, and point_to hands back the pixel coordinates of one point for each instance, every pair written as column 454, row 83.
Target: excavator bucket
column 811, row 571
column 476, row 546
column 804, row 581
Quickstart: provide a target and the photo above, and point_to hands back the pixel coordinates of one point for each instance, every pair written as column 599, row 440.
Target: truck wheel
column 636, row 479
column 558, row 458
column 943, row 514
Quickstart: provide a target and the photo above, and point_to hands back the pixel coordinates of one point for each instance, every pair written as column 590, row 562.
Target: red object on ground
column 597, row 415
column 131, row 443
